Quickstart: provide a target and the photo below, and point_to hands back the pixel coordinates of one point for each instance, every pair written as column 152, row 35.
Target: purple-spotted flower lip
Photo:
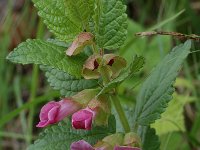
column 53, row 112
column 83, row 119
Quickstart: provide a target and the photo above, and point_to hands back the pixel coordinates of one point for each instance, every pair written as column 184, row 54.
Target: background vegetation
column 23, row 89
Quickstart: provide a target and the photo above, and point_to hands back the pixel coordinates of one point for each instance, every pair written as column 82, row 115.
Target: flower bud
column 132, row 139
column 53, row 112
column 119, row 141
column 102, row 108
column 114, row 139
column 81, row 145
column 83, row 119
column 83, row 39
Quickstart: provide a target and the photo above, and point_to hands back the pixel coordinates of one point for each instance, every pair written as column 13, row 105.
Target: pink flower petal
column 81, row 145
column 46, row 108
column 42, row 124
column 54, row 112
column 82, row 119
column 67, row 108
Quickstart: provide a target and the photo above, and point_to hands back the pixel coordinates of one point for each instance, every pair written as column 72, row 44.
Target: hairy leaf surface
column 65, row 18
column 80, row 11
column 67, row 84
column 158, row 88
column 110, row 23
column 46, row 53
column 60, row 137
column 150, row 140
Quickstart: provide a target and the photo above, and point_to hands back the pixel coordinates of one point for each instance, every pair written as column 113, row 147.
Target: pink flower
column 126, row 148
column 83, row 119
column 81, row 145
column 54, row 112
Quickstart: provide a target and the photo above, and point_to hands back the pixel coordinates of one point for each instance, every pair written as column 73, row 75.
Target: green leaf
column 150, row 141
column 57, row 18
column 60, row 137
column 67, row 84
column 59, row 43
column 110, row 23
column 157, row 90
column 80, row 11
column 46, row 53
column 133, row 68
column 173, row 118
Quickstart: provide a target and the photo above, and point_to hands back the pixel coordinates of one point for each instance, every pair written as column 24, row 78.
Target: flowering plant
column 81, row 63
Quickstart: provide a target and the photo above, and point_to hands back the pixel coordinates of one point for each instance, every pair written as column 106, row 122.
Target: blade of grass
column 18, row 97
column 164, row 22
column 13, row 135
column 34, row 85
column 8, row 117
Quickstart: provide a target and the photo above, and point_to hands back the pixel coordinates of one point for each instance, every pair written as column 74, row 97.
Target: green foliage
column 80, row 11
column 157, row 90
column 133, row 68
column 110, row 23
column 132, row 44
column 174, row 141
column 46, row 53
column 150, row 140
column 173, row 118
column 67, row 84
column 60, row 137
column 57, row 18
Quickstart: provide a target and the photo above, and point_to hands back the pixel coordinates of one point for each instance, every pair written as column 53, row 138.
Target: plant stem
column 13, row 135
column 121, row 114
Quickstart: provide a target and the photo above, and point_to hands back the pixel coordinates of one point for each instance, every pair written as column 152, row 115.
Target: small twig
column 174, row 34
